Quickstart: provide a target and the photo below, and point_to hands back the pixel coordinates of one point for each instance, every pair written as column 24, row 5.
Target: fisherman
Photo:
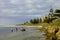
column 16, row 29
column 11, row 30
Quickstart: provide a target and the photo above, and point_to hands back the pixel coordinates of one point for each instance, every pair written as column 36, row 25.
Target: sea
column 15, row 33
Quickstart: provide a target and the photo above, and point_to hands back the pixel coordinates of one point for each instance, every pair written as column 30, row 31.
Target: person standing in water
column 11, row 30
column 16, row 29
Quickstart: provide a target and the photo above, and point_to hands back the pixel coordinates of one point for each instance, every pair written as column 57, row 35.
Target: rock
column 58, row 35
column 22, row 29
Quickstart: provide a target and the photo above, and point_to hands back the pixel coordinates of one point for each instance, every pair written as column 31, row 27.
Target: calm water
column 30, row 34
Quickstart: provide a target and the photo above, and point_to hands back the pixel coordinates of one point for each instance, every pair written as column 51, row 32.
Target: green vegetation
column 47, row 20
column 34, row 21
column 51, row 23
column 57, row 23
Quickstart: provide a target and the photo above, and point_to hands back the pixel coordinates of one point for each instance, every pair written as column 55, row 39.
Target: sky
column 20, row 11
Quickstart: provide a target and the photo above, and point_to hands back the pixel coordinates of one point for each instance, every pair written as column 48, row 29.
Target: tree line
column 48, row 19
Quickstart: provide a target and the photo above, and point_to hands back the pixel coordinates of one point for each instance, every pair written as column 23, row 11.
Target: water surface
column 31, row 33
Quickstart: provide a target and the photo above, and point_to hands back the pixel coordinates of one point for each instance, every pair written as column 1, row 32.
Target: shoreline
column 17, row 26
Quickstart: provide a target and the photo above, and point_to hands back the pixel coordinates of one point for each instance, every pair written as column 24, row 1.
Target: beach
column 30, row 34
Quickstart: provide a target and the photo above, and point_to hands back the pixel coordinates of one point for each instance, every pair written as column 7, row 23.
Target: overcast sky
column 20, row 11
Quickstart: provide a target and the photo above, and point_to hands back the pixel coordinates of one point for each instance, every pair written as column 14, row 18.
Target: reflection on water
column 30, row 34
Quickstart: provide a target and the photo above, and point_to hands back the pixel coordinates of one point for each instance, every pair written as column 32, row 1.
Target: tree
column 34, row 21
column 51, row 12
column 40, row 20
column 31, row 21
column 48, row 20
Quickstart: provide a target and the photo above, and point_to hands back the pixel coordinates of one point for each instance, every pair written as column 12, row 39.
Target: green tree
column 51, row 12
column 34, row 21
column 40, row 20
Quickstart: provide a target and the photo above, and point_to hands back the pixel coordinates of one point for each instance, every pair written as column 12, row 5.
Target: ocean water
column 31, row 33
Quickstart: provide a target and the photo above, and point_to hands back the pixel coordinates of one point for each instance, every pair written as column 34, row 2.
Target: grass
column 41, row 24
column 53, row 23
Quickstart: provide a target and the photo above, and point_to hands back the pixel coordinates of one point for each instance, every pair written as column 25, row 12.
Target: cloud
column 56, row 4
column 16, row 19
column 11, row 10
column 23, row 7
